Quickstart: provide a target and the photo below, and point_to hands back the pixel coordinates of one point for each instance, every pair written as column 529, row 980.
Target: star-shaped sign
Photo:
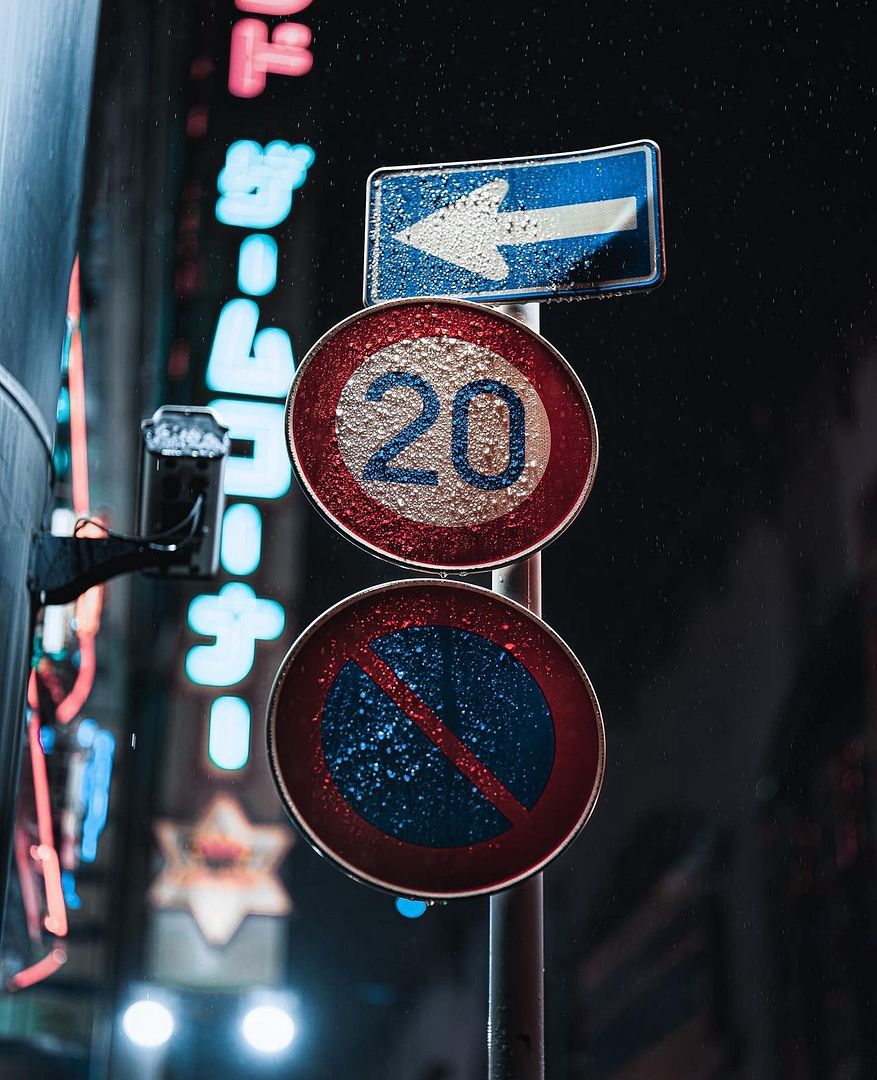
column 222, row 868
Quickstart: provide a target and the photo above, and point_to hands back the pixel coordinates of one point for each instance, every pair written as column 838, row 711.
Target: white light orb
column 268, row 1029
column 148, row 1023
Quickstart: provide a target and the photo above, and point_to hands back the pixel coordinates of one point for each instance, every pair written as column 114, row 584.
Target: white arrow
column 470, row 232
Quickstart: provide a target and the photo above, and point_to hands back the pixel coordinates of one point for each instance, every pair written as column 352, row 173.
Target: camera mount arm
column 64, row 567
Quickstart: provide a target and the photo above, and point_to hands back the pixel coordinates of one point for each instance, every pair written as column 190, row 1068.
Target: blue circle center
column 396, row 778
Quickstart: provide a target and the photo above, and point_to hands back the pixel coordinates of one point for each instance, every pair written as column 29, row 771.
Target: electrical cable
column 151, row 541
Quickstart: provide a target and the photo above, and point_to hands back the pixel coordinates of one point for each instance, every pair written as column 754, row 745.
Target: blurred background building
column 717, row 917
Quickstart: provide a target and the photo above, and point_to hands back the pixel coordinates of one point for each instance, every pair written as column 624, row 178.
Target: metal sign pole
column 516, row 995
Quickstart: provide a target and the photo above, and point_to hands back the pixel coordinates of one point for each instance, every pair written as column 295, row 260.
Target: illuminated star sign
column 222, row 868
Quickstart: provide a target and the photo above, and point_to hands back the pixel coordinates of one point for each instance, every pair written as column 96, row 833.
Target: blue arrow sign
column 538, row 228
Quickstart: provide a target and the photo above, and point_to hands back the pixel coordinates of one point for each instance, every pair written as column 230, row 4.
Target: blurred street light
column 148, row 1023
column 268, row 1028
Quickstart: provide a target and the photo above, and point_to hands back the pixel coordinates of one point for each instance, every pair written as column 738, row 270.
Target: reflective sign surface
column 442, row 435
column 435, row 740
column 546, row 227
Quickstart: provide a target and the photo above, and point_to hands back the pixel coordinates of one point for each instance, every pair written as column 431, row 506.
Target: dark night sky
column 764, row 123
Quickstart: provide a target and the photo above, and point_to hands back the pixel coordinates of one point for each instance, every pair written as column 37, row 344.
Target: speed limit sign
column 441, row 435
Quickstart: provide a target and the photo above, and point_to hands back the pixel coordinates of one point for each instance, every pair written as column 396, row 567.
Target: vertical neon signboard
column 250, row 367
column 256, row 187
column 233, row 349
column 256, row 365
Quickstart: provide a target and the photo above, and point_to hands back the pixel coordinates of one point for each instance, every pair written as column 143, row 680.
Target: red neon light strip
column 44, row 853
column 89, row 605
column 78, row 696
column 40, row 783
column 74, row 304
column 76, row 385
column 273, row 7
column 42, row 969
column 46, row 856
column 50, row 681
column 70, row 706
column 441, row 736
column 78, row 448
column 56, row 919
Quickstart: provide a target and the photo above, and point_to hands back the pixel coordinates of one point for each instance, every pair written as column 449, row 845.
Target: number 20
column 378, row 466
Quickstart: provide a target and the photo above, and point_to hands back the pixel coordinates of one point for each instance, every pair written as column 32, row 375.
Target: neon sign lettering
column 241, row 549
column 254, row 57
column 257, row 182
column 237, row 619
column 265, row 472
column 244, row 361
column 257, row 265
column 228, row 740
column 255, row 366
column 256, row 186
column 273, row 7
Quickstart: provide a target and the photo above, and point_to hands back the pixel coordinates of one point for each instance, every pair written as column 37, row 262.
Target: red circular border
column 319, row 810
column 313, row 443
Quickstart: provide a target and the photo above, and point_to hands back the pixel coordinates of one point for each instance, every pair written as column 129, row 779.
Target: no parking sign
column 441, row 435
column 435, row 740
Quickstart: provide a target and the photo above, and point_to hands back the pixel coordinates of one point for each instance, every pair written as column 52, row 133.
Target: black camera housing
column 183, row 453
